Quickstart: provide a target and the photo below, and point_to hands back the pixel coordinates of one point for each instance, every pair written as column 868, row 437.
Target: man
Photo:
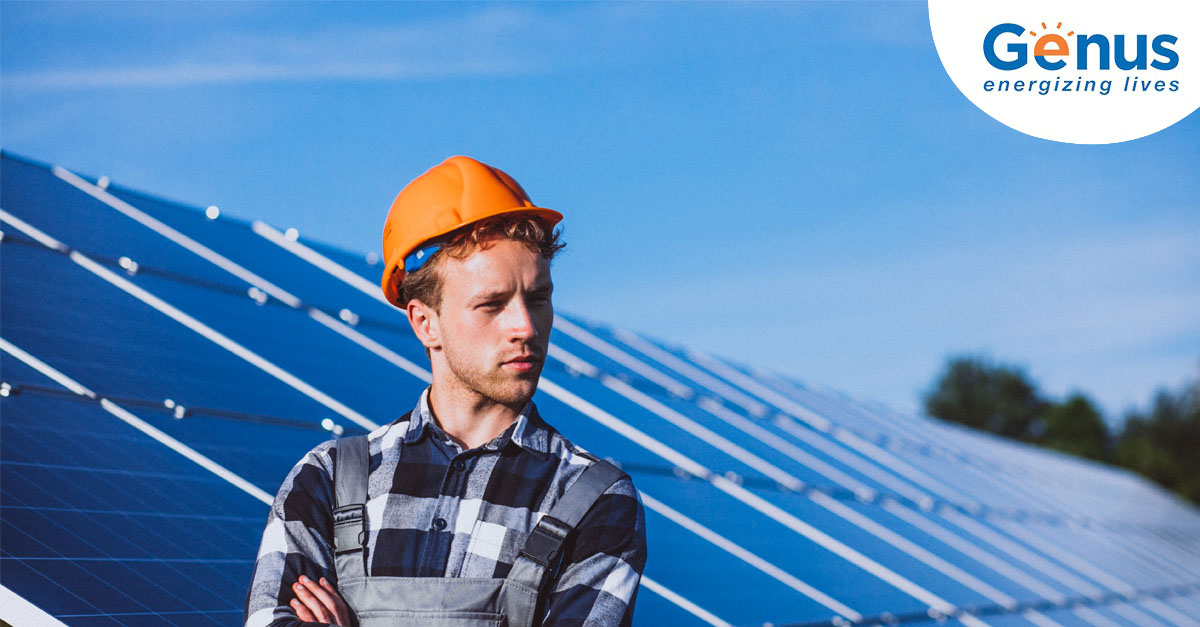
column 471, row 490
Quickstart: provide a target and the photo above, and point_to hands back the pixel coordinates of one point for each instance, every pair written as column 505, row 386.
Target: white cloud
column 198, row 73
column 495, row 41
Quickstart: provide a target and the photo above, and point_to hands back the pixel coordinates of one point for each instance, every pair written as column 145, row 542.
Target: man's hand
column 319, row 603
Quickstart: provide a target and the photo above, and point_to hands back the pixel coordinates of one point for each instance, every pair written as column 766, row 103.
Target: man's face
column 495, row 320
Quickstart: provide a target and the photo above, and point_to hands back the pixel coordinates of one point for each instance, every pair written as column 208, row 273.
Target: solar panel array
column 163, row 369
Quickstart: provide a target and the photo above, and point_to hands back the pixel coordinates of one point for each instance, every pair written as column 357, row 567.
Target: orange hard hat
column 451, row 195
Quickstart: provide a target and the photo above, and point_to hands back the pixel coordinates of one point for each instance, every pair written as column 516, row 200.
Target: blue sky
column 797, row 186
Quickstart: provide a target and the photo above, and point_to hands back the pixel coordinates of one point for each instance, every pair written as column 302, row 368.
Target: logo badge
column 1081, row 72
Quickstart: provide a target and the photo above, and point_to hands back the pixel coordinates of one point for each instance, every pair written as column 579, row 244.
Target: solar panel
column 162, row 371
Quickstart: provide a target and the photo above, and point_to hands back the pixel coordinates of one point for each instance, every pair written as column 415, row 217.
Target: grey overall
column 449, row 601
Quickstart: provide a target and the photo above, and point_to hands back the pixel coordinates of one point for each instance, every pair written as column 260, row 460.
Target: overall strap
column 350, row 506
column 542, row 553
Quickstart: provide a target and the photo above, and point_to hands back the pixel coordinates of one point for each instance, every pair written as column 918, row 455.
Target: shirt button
column 458, row 465
column 439, row 523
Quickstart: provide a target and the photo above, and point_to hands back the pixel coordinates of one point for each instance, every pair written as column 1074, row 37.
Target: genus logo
column 1107, row 72
column 1006, row 48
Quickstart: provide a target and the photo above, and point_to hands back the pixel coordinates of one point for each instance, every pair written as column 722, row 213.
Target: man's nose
column 519, row 320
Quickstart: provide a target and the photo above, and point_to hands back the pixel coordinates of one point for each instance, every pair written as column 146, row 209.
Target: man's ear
column 425, row 324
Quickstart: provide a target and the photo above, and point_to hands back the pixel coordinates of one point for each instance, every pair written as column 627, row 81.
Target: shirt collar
column 529, row 431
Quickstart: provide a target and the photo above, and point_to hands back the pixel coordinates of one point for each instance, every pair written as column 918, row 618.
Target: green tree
column 1164, row 444
column 1075, row 426
column 991, row 397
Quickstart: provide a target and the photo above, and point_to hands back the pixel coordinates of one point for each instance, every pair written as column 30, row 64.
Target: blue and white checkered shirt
column 435, row 510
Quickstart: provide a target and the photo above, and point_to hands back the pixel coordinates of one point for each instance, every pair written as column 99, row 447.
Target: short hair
column 526, row 228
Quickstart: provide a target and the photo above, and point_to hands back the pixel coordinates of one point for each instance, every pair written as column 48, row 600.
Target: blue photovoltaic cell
column 1168, row 615
column 685, row 555
column 874, row 509
column 189, row 370
column 99, row 519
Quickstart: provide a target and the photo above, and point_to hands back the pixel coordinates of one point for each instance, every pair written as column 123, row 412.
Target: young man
column 476, row 512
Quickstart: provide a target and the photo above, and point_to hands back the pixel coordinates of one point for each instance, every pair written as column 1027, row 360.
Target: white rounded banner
column 1076, row 71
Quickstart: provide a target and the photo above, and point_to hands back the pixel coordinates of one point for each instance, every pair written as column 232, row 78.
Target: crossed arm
column 319, row 602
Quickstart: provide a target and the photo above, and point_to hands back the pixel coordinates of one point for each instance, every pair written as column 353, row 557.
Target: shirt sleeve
column 295, row 541
column 603, row 565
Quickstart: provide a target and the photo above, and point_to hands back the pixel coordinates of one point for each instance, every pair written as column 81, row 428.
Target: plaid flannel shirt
column 434, row 510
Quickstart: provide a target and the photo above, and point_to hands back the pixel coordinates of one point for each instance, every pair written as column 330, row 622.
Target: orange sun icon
column 1043, row 46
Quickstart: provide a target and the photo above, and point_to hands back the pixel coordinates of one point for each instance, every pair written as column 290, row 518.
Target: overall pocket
column 435, row 618
column 424, row 601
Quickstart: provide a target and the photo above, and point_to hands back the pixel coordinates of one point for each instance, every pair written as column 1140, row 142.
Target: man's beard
column 495, row 384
